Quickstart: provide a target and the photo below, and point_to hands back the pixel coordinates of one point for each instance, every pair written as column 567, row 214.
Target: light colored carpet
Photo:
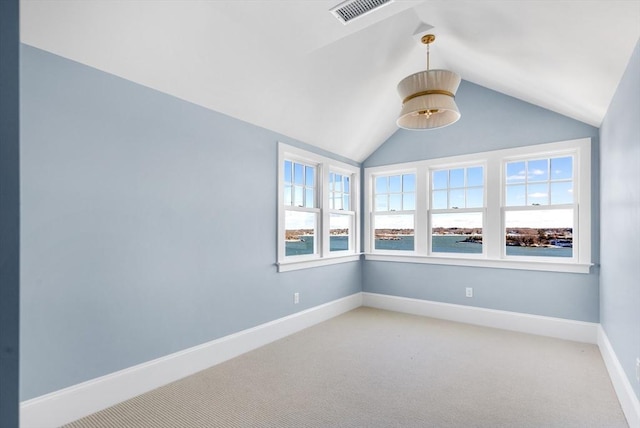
column 374, row 368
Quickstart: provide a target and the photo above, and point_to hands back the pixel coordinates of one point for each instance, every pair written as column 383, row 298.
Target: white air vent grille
column 352, row 9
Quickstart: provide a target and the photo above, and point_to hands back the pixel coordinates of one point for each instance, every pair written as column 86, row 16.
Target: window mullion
column 422, row 232
column 494, row 219
column 322, row 183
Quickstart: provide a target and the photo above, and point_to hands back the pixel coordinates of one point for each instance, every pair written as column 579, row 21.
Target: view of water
column 540, row 251
column 440, row 244
column 452, row 244
column 305, row 245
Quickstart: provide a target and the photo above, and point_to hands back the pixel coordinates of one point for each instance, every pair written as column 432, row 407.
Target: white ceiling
column 291, row 67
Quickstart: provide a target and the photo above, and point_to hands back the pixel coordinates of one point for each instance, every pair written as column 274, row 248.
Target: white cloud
column 537, row 172
column 539, row 218
column 402, row 221
column 538, row 195
column 299, row 220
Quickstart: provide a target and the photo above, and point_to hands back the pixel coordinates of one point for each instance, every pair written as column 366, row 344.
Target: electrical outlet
column 469, row 292
column 638, row 369
column 296, row 298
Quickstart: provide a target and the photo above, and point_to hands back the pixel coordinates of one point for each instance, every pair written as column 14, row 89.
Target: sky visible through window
column 536, row 182
column 299, row 191
column 540, row 182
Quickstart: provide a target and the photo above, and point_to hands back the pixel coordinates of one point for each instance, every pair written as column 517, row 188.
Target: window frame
column 352, row 212
column 575, row 205
column 494, row 253
column 431, row 211
column 390, row 212
column 322, row 254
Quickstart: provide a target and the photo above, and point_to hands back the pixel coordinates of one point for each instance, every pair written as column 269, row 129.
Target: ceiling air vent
column 351, row 9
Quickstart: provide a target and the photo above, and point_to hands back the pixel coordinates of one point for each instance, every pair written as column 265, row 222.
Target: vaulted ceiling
column 292, row 67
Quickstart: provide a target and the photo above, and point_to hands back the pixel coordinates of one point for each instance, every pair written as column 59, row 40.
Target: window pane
column 332, row 179
column 456, row 198
column 409, row 201
column 287, row 195
column 456, row 177
column 562, row 193
column 395, row 184
column 287, row 171
column 339, row 231
column 440, row 179
column 516, row 172
column 475, row 197
column 395, row 202
column 300, row 230
column 538, row 170
column 382, row 185
column 309, row 200
column 456, row 233
column 338, row 183
column 394, row 232
column 516, row 196
column 475, row 176
column 298, row 196
column 336, row 202
column 562, row 168
column 346, row 185
column 298, row 175
column 382, row 203
column 310, row 176
column 539, row 233
column 538, row 194
column 345, row 202
column 439, row 200
column 409, row 183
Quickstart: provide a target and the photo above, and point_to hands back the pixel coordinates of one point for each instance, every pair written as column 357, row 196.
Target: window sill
column 489, row 263
column 290, row 265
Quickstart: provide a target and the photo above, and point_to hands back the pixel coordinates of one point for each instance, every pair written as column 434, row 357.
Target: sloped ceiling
column 291, row 67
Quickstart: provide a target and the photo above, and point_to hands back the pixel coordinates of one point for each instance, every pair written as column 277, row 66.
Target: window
column 317, row 215
column 301, row 214
column 341, row 214
column 394, row 214
column 539, row 207
column 457, row 210
column 522, row 208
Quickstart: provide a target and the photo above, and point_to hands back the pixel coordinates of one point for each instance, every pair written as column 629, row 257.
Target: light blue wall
column 148, row 226
column 620, row 220
column 491, row 121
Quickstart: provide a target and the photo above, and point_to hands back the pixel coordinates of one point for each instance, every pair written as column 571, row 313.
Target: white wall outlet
column 638, row 369
column 469, row 292
column 296, row 298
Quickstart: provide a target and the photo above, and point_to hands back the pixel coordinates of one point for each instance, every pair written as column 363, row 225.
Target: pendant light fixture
column 428, row 97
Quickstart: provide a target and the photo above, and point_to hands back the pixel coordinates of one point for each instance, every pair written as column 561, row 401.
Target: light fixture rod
column 427, row 57
column 427, row 39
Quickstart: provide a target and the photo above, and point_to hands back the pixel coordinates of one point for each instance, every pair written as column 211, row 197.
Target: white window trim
column 493, row 254
column 417, row 239
column 430, row 212
column 324, row 256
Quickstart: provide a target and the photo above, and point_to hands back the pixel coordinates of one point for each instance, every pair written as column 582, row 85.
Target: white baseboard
column 69, row 404
column 628, row 399
column 578, row 331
